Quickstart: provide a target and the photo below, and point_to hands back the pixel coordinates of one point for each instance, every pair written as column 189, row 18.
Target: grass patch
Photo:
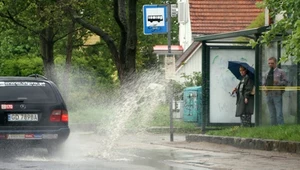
column 282, row 132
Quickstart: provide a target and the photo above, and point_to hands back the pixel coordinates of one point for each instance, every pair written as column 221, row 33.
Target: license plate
column 23, row 117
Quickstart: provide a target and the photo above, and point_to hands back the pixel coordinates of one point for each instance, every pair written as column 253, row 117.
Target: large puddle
column 83, row 151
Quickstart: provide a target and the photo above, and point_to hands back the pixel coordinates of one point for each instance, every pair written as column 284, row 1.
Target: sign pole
column 169, row 28
column 171, row 115
column 170, row 55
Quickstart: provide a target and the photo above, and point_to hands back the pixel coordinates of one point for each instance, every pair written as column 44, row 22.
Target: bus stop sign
column 155, row 19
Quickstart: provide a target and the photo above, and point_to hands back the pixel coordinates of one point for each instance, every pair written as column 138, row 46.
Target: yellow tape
column 286, row 88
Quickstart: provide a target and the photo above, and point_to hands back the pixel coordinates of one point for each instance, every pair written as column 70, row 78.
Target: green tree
column 116, row 24
column 21, row 66
column 288, row 28
column 12, row 44
column 123, row 13
column 194, row 79
column 42, row 28
column 44, row 21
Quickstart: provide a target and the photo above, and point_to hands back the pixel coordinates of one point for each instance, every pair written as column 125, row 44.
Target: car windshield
column 29, row 92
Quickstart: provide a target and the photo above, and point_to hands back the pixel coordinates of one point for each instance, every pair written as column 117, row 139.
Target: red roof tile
column 218, row 16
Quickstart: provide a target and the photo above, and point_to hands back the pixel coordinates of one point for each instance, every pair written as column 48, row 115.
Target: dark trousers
column 275, row 108
column 246, row 120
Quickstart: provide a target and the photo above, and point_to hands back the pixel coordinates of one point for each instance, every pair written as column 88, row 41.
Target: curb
column 167, row 130
column 248, row 143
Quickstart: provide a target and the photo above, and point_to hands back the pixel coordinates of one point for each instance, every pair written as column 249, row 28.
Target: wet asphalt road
column 87, row 151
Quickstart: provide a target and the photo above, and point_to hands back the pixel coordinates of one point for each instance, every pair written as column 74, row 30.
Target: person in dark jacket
column 276, row 78
column 245, row 99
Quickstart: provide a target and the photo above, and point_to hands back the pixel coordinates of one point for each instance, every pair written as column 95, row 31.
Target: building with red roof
column 203, row 17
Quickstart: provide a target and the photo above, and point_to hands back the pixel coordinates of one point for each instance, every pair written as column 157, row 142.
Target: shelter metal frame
column 215, row 41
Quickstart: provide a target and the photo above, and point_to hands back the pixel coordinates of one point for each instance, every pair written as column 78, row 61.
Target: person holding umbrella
column 245, row 97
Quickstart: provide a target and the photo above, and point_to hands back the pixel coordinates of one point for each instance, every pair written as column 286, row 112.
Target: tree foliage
column 28, row 26
column 194, row 79
column 191, row 80
column 120, row 28
column 123, row 14
column 12, row 44
column 43, row 21
column 288, row 28
column 21, row 66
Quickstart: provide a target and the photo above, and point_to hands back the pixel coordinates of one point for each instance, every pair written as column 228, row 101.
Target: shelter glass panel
column 222, row 105
column 279, row 96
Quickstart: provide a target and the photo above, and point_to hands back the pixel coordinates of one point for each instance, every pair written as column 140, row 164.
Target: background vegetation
column 83, row 71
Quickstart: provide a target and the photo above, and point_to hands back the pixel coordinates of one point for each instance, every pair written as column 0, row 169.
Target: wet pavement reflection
column 81, row 153
column 143, row 152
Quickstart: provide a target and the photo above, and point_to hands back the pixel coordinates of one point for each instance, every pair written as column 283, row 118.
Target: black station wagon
column 32, row 114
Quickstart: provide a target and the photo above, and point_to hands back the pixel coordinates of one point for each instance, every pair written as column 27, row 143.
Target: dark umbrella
column 234, row 67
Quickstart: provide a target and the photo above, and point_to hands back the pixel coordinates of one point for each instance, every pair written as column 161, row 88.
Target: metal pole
column 169, row 55
column 171, row 118
column 169, row 28
column 204, row 87
column 257, row 98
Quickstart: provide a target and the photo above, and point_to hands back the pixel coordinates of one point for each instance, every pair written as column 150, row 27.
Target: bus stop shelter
column 218, row 106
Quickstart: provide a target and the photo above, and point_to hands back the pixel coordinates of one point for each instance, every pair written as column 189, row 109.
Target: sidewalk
column 248, row 143
column 244, row 143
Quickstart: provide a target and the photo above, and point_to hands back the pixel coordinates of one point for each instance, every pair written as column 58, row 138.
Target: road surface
column 143, row 151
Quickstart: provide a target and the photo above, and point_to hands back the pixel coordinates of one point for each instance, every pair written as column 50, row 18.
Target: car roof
column 19, row 78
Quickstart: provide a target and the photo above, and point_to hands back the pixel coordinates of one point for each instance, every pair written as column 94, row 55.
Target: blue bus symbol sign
column 155, row 19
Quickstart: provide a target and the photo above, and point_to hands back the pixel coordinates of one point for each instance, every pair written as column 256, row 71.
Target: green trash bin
column 192, row 104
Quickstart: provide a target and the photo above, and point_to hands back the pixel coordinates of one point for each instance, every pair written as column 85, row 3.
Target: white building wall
column 192, row 64
column 185, row 29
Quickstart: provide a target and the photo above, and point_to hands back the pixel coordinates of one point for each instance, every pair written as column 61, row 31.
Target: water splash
column 130, row 109
column 138, row 100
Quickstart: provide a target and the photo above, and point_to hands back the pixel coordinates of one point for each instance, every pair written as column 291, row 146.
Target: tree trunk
column 108, row 40
column 120, row 17
column 124, row 57
column 128, row 39
column 69, row 47
column 46, row 48
column 131, row 38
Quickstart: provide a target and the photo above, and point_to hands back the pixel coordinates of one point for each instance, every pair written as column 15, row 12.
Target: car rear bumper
column 30, row 133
